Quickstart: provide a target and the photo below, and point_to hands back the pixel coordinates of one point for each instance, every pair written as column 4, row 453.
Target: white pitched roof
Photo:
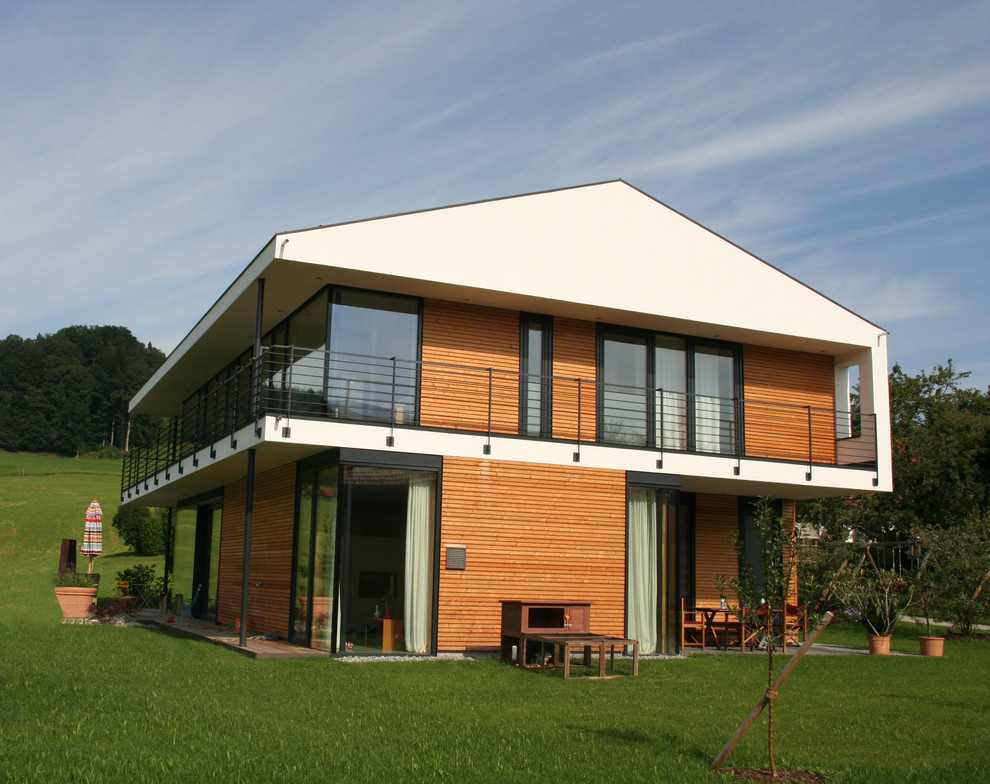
column 606, row 252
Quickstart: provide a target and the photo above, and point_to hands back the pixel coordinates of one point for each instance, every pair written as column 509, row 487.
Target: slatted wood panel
column 480, row 337
column 271, row 550
column 574, row 357
column 789, row 515
column 797, row 379
column 531, row 532
column 716, row 520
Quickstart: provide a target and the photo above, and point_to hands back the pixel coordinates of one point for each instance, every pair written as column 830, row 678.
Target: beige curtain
column 641, row 574
column 419, row 564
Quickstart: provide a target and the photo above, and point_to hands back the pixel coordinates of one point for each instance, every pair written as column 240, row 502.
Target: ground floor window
column 365, row 559
column 195, row 558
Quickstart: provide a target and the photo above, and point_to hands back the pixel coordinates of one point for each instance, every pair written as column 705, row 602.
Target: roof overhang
column 602, row 253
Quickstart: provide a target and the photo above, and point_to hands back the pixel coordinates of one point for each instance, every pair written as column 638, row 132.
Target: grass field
column 109, row 704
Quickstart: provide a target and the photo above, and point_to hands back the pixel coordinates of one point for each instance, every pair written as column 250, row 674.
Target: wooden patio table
column 586, row 641
column 725, row 625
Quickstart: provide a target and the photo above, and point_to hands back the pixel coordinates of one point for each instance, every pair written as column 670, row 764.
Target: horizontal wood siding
column 532, row 532
column 792, row 378
column 272, row 525
column 716, row 520
column 789, row 515
column 574, row 357
column 478, row 337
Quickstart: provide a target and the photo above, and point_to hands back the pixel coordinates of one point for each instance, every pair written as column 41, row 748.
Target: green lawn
column 108, row 704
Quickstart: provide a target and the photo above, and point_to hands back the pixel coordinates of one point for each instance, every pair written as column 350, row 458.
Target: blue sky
column 149, row 150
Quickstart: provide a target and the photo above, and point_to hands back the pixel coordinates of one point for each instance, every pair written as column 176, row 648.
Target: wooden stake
column 771, row 692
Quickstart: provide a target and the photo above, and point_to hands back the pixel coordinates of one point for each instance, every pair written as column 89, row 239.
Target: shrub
column 142, row 529
column 74, row 580
column 143, row 581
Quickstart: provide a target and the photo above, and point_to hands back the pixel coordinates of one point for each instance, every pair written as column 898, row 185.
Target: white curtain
column 419, row 560
column 641, row 576
column 706, row 407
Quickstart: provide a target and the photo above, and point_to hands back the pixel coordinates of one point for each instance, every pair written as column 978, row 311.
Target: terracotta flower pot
column 75, row 602
column 880, row 644
column 932, row 646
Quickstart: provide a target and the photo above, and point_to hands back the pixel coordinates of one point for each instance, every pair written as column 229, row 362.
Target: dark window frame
column 526, row 321
column 691, row 343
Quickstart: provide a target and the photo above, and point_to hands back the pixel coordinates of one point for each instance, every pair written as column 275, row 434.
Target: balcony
column 292, row 382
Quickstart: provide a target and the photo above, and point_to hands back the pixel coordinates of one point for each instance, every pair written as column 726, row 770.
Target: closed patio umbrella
column 93, row 533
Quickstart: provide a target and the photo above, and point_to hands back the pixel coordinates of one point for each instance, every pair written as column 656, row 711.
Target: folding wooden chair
column 793, row 625
column 125, row 597
column 692, row 627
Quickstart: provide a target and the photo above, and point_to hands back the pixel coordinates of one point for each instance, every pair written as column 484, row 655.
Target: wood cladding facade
column 458, row 340
column 272, row 523
column 531, row 532
column 781, row 380
column 716, row 520
column 575, row 371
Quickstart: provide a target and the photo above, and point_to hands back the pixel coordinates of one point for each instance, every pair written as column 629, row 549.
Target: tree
column 68, row 392
column 958, row 571
column 940, row 435
column 764, row 597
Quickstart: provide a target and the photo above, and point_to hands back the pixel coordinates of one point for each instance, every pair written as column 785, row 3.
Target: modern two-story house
column 383, row 428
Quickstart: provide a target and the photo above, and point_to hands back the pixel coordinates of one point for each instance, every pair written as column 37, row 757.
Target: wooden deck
column 257, row 647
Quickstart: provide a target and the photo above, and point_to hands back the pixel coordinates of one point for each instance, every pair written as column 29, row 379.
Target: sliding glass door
column 365, row 559
column 651, row 586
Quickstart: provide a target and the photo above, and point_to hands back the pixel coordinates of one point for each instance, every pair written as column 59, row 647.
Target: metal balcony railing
column 294, row 382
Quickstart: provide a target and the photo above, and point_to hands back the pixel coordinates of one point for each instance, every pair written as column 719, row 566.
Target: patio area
column 257, row 646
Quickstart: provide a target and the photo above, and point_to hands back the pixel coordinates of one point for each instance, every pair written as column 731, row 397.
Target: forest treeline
column 67, row 392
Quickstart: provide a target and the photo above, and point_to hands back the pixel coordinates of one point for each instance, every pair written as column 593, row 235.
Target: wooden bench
column 563, row 644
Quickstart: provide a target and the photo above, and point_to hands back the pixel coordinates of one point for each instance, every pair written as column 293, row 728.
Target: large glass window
column 306, row 360
column 714, row 396
column 671, row 385
column 666, row 391
column 365, row 566
column 316, row 544
column 535, row 384
column 374, row 344
column 624, row 399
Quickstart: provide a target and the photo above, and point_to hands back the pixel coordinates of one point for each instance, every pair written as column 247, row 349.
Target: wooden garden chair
column 125, row 596
column 692, row 627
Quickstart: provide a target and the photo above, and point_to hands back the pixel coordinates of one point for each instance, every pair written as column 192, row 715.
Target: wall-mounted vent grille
column 456, row 557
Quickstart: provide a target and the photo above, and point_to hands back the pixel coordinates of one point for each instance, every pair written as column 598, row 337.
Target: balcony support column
column 254, row 406
column 246, row 562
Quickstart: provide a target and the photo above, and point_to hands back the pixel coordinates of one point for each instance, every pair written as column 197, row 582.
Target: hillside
column 43, row 499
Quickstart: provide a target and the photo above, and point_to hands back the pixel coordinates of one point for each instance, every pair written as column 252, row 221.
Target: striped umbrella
column 93, row 533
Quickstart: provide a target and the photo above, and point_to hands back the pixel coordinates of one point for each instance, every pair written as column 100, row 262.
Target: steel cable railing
column 294, row 382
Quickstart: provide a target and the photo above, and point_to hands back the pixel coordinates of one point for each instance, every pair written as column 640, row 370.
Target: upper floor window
column 536, row 369
column 667, row 392
column 374, row 356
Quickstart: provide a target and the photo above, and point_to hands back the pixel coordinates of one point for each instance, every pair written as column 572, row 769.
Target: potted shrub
column 928, row 594
column 877, row 597
column 76, row 593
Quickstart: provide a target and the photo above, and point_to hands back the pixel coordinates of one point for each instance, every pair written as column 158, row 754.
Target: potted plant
column 76, row 593
column 877, row 597
column 928, row 598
